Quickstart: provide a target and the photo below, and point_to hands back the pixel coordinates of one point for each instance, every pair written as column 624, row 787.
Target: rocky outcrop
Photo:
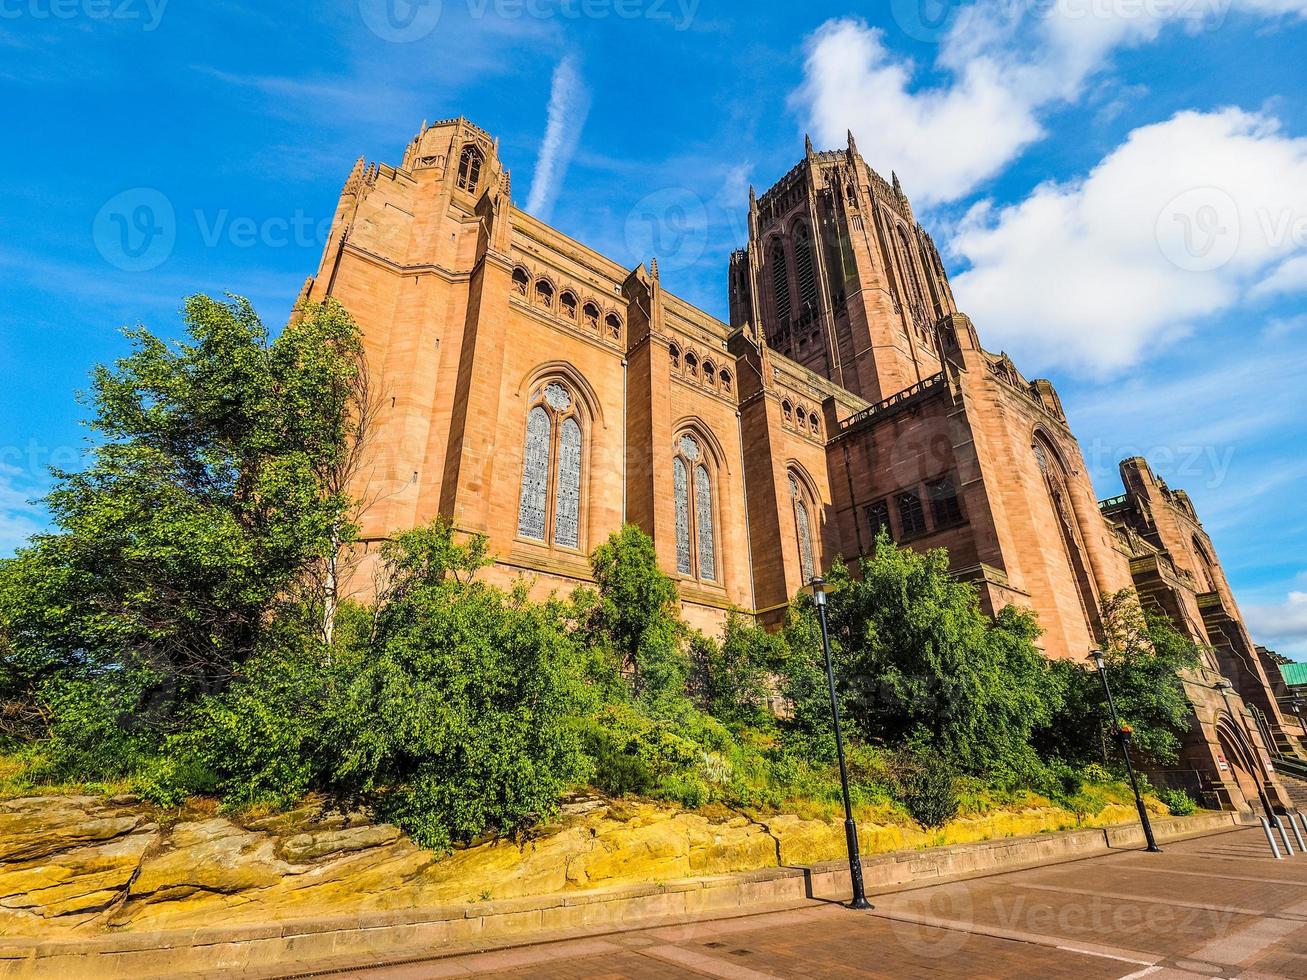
column 81, row 864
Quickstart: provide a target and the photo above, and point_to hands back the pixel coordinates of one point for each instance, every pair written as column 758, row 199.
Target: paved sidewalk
column 1210, row 906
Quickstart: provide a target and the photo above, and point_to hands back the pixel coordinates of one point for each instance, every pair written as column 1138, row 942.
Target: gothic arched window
column 674, row 353
column 803, row 529
column 590, row 313
column 725, row 378
column 804, row 271
column 469, row 167
column 1206, row 566
column 709, row 373
column 550, row 504
column 780, row 284
column 1058, row 486
column 614, row 325
column 567, row 303
column 696, row 542
column 520, row 281
column 544, row 293
column 692, row 365
column 814, row 423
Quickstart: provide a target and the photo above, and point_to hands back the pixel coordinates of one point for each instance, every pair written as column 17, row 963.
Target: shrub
column 1145, row 657
column 1097, row 773
column 1179, row 802
column 924, row 785
column 919, row 662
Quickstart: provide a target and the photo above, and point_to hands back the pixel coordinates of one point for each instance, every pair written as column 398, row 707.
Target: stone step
column 1296, row 789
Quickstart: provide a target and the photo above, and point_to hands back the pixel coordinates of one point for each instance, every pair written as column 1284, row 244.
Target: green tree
column 1145, row 656
column 920, row 664
column 636, row 615
column 207, row 507
column 449, row 705
column 733, row 679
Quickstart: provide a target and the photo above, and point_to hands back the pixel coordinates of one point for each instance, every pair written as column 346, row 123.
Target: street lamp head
column 1096, row 655
column 1224, row 686
column 817, row 587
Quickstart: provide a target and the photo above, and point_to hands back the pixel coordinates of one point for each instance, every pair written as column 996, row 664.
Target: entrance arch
column 1242, row 760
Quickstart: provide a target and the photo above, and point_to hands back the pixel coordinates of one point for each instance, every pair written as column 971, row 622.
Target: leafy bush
column 447, row 706
column 1179, row 802
column 1097, row 773
column 920, row 663
column 924, row 785
column 1145, row 656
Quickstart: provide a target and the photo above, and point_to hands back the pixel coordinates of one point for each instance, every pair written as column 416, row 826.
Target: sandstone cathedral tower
column 536, row 392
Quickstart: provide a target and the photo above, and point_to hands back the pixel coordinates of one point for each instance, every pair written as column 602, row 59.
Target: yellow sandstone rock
column 82, row 864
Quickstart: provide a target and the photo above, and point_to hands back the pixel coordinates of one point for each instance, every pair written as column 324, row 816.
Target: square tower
column 841, row 276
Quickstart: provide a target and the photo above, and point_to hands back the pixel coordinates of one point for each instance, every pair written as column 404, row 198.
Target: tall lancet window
column 780, row 284
column 806, row 274
column 803, row 528
column 696, row 541
column 549, row 508
column 469, row 168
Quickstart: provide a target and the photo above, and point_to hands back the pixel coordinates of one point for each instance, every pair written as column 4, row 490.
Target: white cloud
column 1005, row 65
column 853, row 81
column 1280, row 625
column 1172, row 226
column 1290, row 276
column 569, row 104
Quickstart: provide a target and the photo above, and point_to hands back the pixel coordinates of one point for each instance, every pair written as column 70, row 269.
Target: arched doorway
column 1244, row 767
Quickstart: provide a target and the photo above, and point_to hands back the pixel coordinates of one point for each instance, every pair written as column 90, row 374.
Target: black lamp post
column 818, row 586
column 1123, row 739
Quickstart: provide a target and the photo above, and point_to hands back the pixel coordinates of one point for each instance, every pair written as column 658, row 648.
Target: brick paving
column 1206, row 907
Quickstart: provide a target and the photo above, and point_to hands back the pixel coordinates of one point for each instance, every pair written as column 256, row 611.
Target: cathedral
column 538, row 393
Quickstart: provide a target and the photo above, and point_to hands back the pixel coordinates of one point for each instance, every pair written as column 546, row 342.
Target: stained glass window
column 567, row 506
column 696, row 544
column 535, row 475
column 804, row 529
column 681, row 486
column 558, row 397
column 553, row 428
column 703, row 518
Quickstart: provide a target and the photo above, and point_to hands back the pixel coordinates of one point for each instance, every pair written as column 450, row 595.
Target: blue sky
column 1119, row 188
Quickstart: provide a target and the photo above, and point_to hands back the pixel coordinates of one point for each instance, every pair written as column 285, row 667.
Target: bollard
column 1284, row 834
column 1266, row 829
column 1294, row 820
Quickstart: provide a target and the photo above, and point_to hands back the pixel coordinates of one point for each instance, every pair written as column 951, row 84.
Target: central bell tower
column 841, row 277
